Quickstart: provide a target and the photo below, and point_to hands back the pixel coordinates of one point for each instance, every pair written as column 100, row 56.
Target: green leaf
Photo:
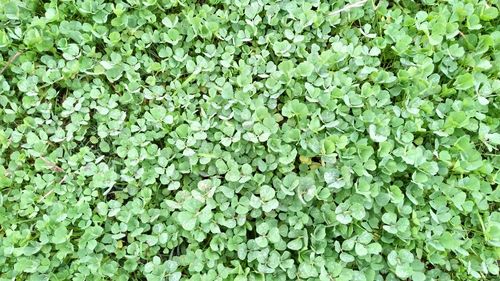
column 305, row 69
column 60, row 235
column 307, row 270
column 449, row 242
column 5, row 181
column 464, row 81
column 267, row 193
column 187, row 220
column 295, row 244
column 457, row 119
column 233, row 175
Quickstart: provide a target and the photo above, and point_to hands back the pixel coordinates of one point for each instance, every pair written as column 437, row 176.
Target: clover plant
column 249, row 140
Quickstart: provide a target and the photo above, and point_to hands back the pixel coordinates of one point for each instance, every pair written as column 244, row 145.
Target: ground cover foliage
column 249, row 140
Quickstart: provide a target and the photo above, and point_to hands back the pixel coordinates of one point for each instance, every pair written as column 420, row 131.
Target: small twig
column 10, row 61
column 349, row 7
column 53, row 166
column 50, row 191
column 45, row 196
column 63, row 179
column 107, row 191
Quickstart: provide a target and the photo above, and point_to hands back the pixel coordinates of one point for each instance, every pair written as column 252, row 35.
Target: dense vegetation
column 249, row 140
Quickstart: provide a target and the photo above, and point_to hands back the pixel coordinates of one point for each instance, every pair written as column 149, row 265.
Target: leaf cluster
column 249, row 140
